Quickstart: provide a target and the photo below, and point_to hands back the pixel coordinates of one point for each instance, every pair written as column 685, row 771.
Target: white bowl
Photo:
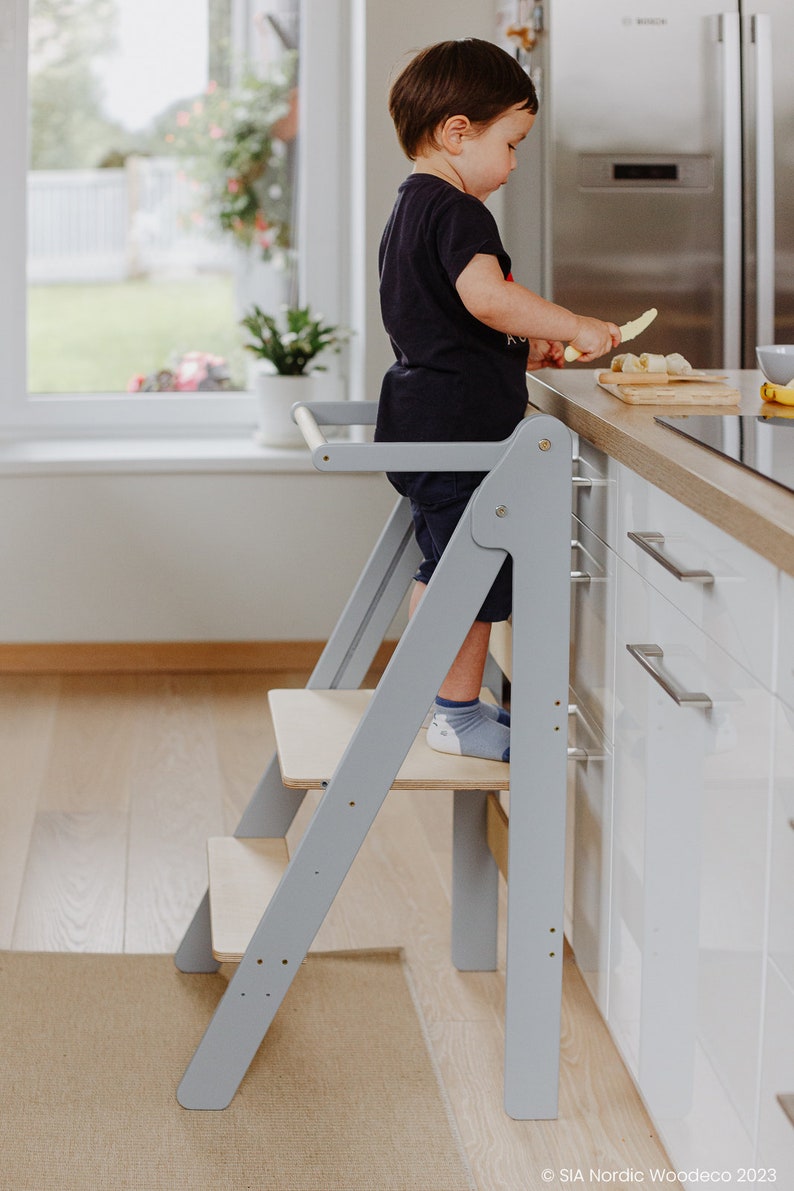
column 776, row 361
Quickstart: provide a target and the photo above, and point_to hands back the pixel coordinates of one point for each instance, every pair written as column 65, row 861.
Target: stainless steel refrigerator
column 662, row 172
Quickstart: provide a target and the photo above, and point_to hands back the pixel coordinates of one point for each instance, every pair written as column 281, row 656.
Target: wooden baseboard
column 87, row 657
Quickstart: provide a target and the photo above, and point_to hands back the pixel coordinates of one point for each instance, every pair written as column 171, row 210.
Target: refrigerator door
column 767, row 38
column 638, row 148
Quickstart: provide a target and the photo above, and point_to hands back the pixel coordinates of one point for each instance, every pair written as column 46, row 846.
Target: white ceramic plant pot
column 275, row 397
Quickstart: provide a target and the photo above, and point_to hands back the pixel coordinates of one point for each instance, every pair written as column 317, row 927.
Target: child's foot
column 495, row 712
column 492, row 710
column 465, row 730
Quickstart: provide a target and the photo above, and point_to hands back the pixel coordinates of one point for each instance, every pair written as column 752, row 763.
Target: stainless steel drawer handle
column 644, row 655
column 579, row 576
column 577, row 752
column 651, row 543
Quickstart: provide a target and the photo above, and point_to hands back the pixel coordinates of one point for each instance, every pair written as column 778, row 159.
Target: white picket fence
column 113, row 224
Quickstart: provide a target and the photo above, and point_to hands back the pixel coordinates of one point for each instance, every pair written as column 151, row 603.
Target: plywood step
column 243, row 875
column 313, row 729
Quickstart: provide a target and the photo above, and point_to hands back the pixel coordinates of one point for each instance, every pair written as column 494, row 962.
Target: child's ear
column 454, row 131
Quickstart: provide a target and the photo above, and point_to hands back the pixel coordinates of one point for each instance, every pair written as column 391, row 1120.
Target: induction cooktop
column 762, row 444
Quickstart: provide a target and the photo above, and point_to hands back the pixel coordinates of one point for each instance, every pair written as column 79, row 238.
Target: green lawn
column 93, row 338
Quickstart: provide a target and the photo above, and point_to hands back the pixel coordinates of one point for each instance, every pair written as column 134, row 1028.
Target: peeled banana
column 782, row 394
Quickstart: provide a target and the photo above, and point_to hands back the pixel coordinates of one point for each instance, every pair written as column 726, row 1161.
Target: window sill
column 24, row 456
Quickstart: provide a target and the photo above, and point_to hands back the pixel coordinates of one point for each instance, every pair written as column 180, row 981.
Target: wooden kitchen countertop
column 755, row 511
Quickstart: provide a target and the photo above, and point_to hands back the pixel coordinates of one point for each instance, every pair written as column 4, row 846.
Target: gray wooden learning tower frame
column 522, row 508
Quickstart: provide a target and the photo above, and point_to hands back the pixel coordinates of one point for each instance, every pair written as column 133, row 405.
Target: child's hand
column 594, row 338
column 545, row 353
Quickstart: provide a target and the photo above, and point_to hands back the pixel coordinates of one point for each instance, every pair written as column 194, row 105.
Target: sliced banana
column 631, row 363
column 676, row 364
column 652, row 363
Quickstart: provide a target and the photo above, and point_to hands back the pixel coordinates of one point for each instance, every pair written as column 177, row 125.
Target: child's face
column 487, row 158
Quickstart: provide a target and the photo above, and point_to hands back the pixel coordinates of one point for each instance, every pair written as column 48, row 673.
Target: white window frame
column 322, row 235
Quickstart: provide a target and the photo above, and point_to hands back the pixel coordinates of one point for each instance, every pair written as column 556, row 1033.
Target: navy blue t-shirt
column 454, row 378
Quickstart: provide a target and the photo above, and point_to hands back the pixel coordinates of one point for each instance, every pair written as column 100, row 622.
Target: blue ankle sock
column 464, row 729
column 495, row 712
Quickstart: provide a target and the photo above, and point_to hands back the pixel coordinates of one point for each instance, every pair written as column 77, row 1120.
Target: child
column 463, row 333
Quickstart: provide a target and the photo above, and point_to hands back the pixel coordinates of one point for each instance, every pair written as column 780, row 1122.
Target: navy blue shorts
column 438, row 501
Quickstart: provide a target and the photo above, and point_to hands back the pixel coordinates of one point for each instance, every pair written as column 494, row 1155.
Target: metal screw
column 501, row 510
column 545, row 444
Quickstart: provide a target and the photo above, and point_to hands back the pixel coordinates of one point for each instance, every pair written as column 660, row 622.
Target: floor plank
column 175, row 804
column 27, row 714
column 72, row 897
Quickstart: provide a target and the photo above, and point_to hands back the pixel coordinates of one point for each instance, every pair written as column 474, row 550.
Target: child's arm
column 509, row 307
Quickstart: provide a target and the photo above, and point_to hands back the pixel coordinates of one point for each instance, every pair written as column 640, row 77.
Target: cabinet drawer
column 595, row 490
column 776, row 1129
column 781, row 877
column 736, row 607
column 690, row 814
column 784, row 684
column 593, row 625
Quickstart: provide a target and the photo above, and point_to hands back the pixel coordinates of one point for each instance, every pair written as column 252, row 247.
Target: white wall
column 183, row 557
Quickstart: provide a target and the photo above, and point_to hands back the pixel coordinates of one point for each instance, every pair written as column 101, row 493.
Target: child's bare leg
column 461, row 723
column 464, row 680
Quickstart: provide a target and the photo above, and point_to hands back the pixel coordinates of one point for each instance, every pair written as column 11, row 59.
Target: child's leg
column 461, row 724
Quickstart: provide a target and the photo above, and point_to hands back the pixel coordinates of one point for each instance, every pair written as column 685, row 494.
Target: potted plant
column 287, row 353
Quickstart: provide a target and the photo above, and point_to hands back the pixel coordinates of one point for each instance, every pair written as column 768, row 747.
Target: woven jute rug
column 342, row 1095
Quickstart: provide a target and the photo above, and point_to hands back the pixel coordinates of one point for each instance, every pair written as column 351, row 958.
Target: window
column 128, row 264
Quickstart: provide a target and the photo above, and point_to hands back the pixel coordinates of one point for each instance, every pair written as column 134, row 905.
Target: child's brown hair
column 470, row 77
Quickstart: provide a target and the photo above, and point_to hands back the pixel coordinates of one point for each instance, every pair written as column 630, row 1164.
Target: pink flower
column 233, row 185
column 212, row 87
column 183, row 119
column 193, row 372
column 135, row 383
column 215, row 132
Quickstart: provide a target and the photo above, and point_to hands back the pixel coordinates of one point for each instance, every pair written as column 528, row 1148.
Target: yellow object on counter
column 781, row 394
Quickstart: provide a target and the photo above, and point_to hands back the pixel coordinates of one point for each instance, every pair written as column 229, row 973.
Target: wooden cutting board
column 691, row 393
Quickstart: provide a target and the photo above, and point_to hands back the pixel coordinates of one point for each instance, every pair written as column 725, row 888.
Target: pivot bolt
column 501, row 510
column 545, row 444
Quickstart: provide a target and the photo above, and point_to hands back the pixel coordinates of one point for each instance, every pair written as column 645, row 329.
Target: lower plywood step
column 243, row 875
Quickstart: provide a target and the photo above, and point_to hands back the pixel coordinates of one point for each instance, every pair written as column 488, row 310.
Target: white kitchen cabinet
column 776, row 1126
column 784, row 682
column 690, row 821
column 692, row 850
column 781, row 871
column 726, row 589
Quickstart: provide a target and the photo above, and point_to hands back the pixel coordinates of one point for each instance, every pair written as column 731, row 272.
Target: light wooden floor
column 109, row 787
